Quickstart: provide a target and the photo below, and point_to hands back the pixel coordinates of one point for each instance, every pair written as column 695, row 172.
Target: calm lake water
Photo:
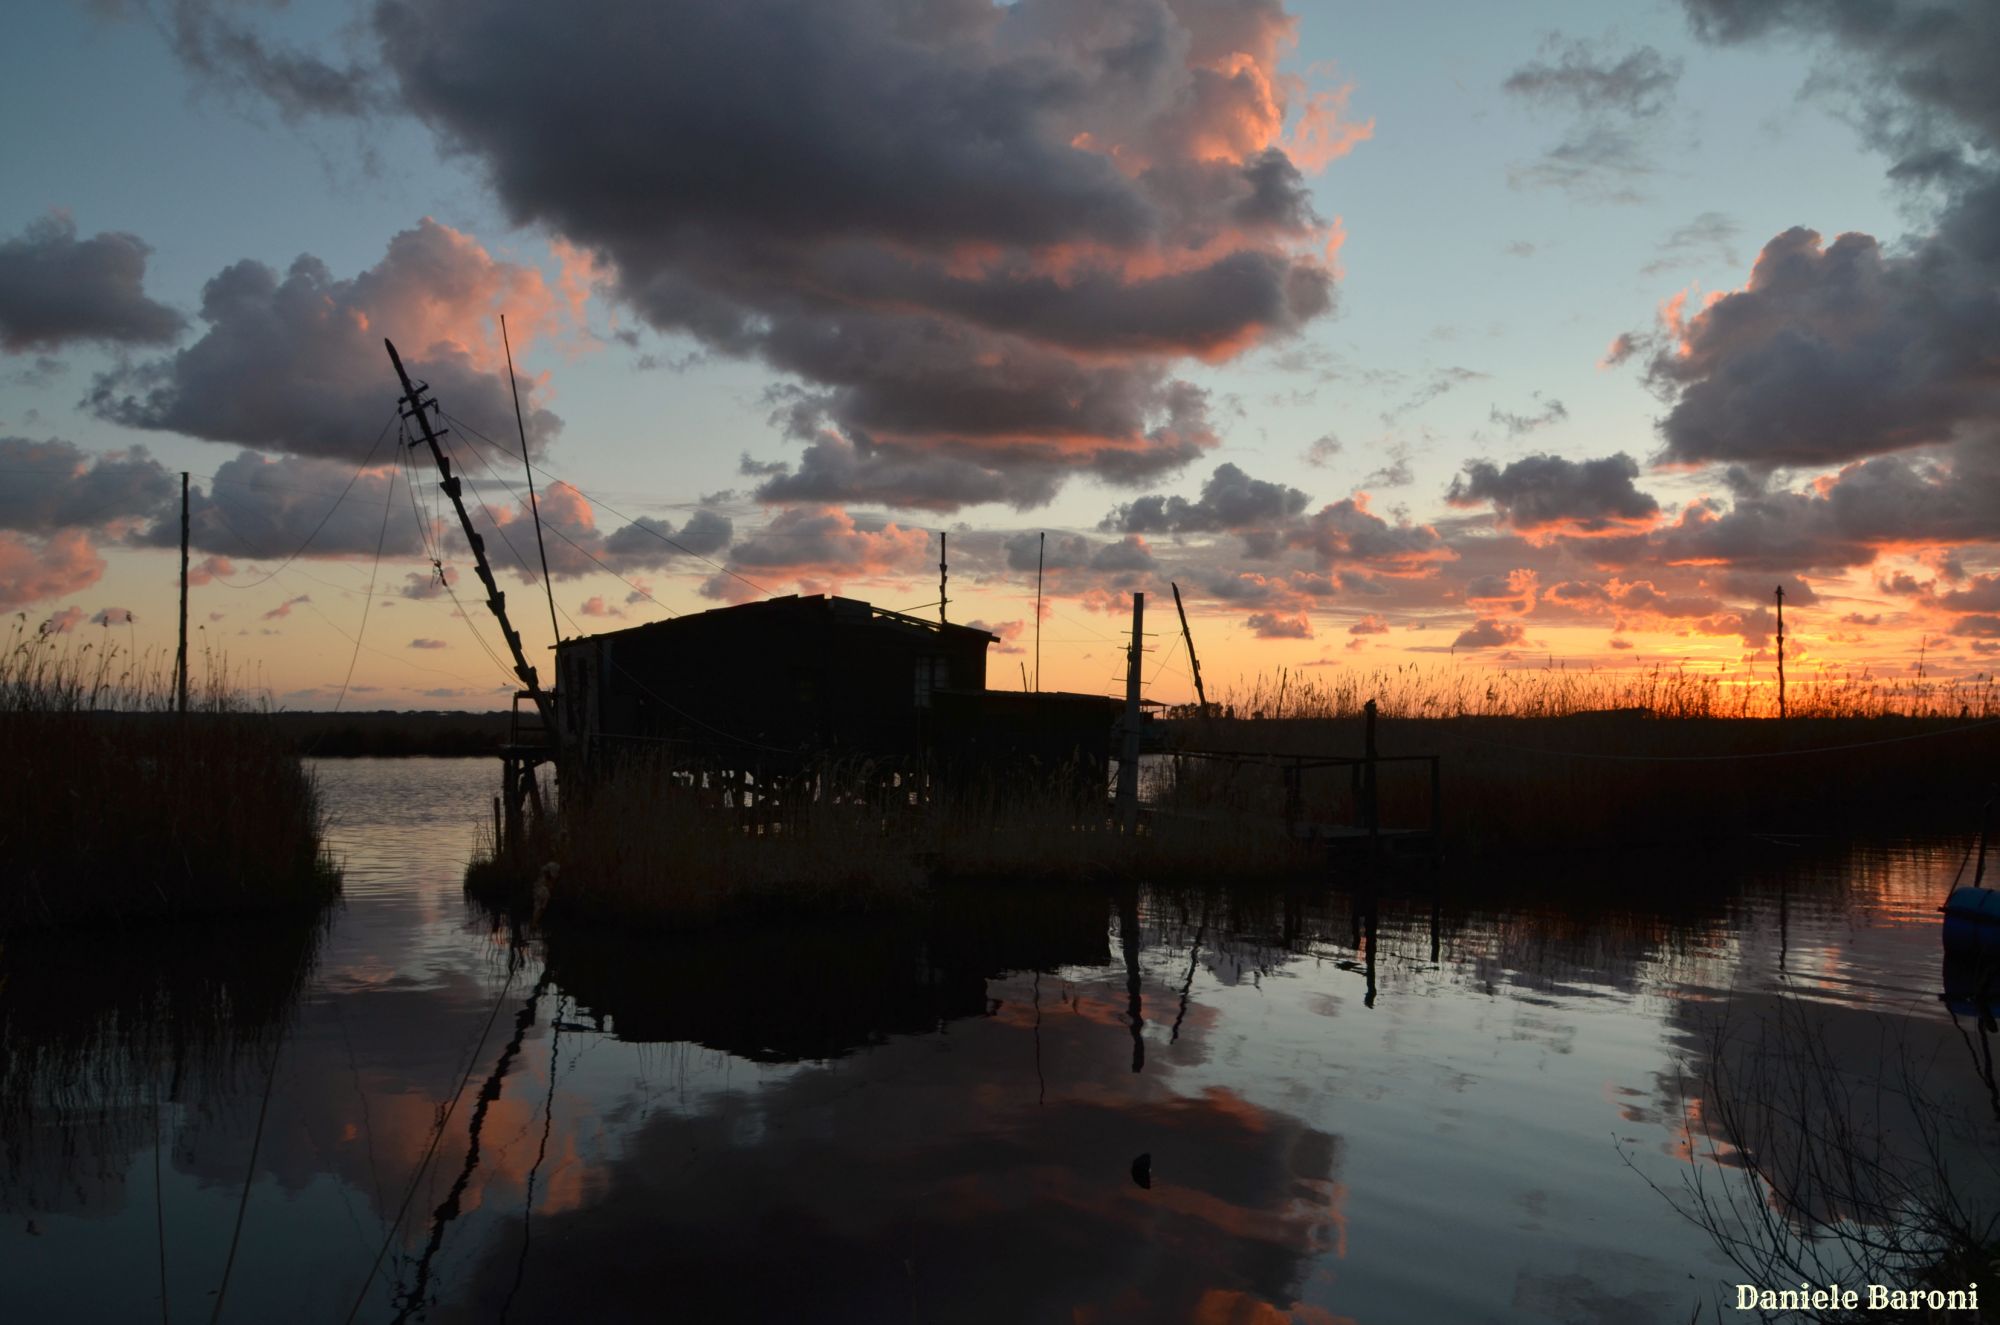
column 1449, row 1114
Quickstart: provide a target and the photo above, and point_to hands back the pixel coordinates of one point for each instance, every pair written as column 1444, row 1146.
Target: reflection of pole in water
column 1041, row 1082
column 1187, row 987
column 1437, row 901
column 1369, row 999
column 1784, row 918
column 541, row 1153
column 1128, row 932
column 449, row 1208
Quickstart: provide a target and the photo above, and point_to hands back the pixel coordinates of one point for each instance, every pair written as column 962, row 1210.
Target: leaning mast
column 417, row 406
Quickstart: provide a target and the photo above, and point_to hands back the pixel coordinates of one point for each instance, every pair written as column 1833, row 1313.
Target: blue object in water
column 1972, row 922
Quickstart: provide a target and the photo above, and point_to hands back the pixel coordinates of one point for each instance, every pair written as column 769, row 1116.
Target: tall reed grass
column 119, row 809
column 1552, row 759
column 1466, row 690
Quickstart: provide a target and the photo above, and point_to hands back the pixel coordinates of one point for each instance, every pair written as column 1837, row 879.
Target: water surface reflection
column 1353, row 1106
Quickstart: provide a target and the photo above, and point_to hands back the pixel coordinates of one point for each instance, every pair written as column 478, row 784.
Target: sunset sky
column 1453, row 333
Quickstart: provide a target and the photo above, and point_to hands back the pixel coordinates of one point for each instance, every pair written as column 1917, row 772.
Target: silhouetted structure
column 765, row 683
column 786, row 683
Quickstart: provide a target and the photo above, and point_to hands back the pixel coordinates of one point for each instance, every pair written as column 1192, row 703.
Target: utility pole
column 1041, row 546
column 419, row 409
column 1128, row 749
column 1194, row 663
column 942, row 574
column 181, row 659
column 1781, row 652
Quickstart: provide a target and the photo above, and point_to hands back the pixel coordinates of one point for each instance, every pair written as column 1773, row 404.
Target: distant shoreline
column 387, row 733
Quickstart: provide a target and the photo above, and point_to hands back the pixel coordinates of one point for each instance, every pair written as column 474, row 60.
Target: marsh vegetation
column 121, row 809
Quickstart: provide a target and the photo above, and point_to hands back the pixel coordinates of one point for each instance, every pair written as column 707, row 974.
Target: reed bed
column 1532, row 762
column 641, row 846
column 120, row 809
column 104, row 1028
column 1557, row 760
column 1478, row 690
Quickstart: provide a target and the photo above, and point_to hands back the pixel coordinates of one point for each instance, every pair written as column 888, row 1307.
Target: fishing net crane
column 519, row 760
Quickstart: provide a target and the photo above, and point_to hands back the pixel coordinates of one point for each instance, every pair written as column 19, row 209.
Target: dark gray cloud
column 1347, row 534
column 650, row 542
column 1761, row 588
column 1521, row 424
column 1440, row 382
column 1548, row 491
column 1835, row 352
column 57, row 290
column 837, row 468
column 1614, row 102
column 211, row 40
column 1583, row 77
column 258, row 508
column 1278, row 625
column 295, row 363
column 1487, row 633
column 1844, row 521
column 1395, row 472
column 1917, row 74
column 1127, row 554
column 1322, row 451
column 1709, row 237
column 936, row 238
column 1229, row 500
column 1842, row 350
column 55, row 484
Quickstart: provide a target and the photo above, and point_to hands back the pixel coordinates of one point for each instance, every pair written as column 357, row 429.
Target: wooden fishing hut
column 746, row 698
column 764, row 682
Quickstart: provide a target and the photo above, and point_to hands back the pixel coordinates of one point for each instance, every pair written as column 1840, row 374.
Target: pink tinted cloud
column 824, row 547
column 32, row 569
column 211, row 568
column 63, row 622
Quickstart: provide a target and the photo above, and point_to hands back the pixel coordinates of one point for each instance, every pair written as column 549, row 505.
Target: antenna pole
column 942, row 600
column 181, row 659
column 534, row 508
column 1194, row 663
column 1781, row 651
column 419, row 409
column 1128, row 748
column 1041, row 546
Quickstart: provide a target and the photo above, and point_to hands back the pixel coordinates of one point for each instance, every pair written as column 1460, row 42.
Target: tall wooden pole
column 534, row 507
column 1781, row 651
column 943, row 572
column 1371, row 805
column 1128, row 748
column 1200, row 695
column 1041, row 546
column 181, row 659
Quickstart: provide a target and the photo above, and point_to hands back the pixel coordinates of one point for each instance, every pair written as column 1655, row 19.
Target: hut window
column 931, row 675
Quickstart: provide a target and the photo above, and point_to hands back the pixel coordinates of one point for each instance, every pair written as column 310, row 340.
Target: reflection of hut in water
column 774, row 686
column 788, row 994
